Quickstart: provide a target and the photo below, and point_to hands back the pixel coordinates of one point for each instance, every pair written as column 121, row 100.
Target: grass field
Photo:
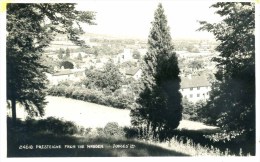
column 82, row 113
column 93, row 115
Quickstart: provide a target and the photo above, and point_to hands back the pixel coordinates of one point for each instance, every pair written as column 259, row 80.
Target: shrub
column 53, row 91
column 131, row 132
column 100, row 132
column 88, row 130
column 58, row 126
column 60, row 91
column 76, row 95
column 65, row 83
column 51, row 125
column 83, row 131
column 113, row 129
column 68, row 92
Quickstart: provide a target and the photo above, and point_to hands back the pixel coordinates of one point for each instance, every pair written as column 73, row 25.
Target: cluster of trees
column 114, row 41
column 108, row 79
column 65, row 54
column 30, row 29
column 192, row 49
column 72, row 50
column 105, row 49
column 62, row 52
column 65, row 58
column 232, row 100
column 185, row 45
column 196, row 64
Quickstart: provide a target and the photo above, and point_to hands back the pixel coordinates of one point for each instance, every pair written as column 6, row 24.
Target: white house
column 135, row 73
column 66, row 75
column 195, row 88
column 127, row 55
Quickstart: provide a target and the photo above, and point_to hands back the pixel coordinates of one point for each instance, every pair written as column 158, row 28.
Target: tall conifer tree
column 159, row 103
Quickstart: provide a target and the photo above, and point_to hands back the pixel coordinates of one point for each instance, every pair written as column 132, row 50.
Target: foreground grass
column 191, row 148
column 34, row 145
column 110, row 147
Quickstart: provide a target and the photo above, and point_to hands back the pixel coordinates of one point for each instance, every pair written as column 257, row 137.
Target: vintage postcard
column 165, row 79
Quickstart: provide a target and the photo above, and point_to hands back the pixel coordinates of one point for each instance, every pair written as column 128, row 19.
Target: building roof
column 65, row 72
column 127, row 64
column 132, row 71
column 194, row 81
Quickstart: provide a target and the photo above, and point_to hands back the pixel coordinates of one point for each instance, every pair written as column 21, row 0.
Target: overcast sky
column 133, row 18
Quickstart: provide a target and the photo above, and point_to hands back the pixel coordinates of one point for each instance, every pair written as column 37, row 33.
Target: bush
column 51, row 125
column 113, row 129
column 100, row 132
column 68, row 92
column 88, row 130
column 60, row 91
column 84, row 131
column 130, row 132
column 76, row 95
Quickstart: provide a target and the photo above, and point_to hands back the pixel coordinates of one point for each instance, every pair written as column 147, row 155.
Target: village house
column 127, row 55
column 74, row 75
column 195, row 88
column 134, row 73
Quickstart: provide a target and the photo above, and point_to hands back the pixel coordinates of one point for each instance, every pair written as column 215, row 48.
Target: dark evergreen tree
column 67, row 53
column 30, row 29
column 232, row 100
column 79, row 57
column 159, row 103
column 60, row 54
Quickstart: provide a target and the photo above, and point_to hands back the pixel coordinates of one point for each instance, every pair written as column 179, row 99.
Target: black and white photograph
column 159, row 78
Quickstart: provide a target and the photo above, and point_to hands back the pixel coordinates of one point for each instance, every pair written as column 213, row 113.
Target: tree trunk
column 148, row 128
column 13, row 111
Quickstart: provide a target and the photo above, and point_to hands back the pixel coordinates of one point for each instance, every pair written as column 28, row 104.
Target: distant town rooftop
column 194, row 81
column 132, row 71
column 64, row 72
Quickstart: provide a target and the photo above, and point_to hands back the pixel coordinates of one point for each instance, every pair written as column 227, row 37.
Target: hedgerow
column 123, row 101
